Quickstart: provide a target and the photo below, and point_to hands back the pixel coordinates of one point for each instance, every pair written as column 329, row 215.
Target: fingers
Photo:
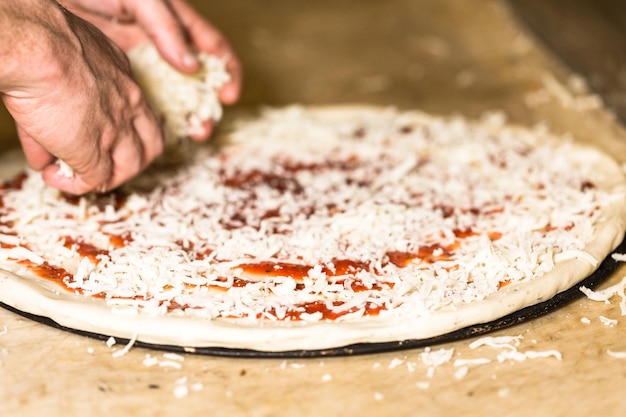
column 110, row 169
column 176, row 28
column 126, row 36
column 91, row 169
column 136, row 154
column 205, row 131
column 113, row 136
column 164, row 28
column 98, row 168
column 76, row 184
column 36, row 155
column 83, row 107
column 41, row 160
column 207, row 38
column 231, row 91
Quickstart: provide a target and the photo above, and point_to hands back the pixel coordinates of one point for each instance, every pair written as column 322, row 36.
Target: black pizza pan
column 604, row 271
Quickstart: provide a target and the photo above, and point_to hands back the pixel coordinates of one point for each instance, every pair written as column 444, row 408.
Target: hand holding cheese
column 71, row 91
column 173, row 26
column 72, row 95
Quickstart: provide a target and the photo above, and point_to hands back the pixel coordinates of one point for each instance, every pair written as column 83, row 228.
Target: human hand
column 175, row 28
column 72, row 95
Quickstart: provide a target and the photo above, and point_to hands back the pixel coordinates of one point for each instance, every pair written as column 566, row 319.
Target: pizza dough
column 314, row 228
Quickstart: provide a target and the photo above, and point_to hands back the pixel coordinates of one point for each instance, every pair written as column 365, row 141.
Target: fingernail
column 229, row 95
column 190, row 60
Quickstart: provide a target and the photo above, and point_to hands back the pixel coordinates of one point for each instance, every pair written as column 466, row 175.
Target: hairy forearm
column 70, row 89
column 29, row 34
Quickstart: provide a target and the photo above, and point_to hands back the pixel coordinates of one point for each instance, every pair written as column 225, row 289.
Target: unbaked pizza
column 313, row 228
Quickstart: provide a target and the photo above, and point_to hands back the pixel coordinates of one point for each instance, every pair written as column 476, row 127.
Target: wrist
column 30, row 31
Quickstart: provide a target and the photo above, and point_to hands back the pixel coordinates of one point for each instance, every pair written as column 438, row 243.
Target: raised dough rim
column 93, row 316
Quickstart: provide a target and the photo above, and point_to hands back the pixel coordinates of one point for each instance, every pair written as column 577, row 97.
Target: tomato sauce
column 55, row 274
column 338, row 271
column 85, row 249
column 329, row 314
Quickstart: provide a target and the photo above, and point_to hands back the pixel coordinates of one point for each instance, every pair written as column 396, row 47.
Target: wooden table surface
column 441, row 56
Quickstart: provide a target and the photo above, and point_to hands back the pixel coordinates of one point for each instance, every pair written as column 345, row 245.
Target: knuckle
column 135, row 95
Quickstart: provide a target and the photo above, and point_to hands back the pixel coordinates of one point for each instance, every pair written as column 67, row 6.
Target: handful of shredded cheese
column 183, row 101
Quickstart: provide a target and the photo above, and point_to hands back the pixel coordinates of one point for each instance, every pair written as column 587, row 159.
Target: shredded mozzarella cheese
column 183, row 101
column 606, row 294
column 509, row 346
column 429, row 213
column 617, row 355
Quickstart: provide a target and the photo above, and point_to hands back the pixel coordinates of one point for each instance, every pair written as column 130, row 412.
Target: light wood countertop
column 442, row 56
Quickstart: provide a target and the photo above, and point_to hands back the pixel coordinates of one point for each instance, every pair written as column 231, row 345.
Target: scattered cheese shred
column 435, row 358
column 111, row 341
column 531, row 354
column 181, row 391
column 170, row 360
column 606, row 294
column 461, row 372
column 150, row 360
column 197, row 386
column 471, row 362
column 395, row 363
column 510, row 345
column 126, row 348
column 170, row 364
column 617, row 355
column 498, row 342
column 64, row 169
column 607, row 321
column 174, row 356
column 620, row 257
column 567, row 98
